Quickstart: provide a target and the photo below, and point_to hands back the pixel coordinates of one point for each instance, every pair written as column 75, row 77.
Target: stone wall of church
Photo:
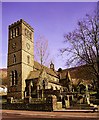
column 54, row 86
column 53, row 78
column 25, row 72
column 14, row 90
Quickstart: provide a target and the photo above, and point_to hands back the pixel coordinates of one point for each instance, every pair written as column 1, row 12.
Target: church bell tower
column 20, row 57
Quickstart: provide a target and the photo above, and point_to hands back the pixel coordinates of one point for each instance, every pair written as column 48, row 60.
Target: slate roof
column 34, row 75
column 78, row 73
column 38, row 69
column 54, row 82
column 48, row 70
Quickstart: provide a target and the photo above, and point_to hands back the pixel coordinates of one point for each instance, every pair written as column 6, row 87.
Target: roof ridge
column 81, row 66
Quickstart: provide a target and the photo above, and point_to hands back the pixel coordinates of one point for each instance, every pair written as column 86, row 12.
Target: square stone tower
column 20, row 57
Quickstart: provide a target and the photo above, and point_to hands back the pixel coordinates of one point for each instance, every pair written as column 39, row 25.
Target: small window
column 28, row 59
column 14, row 58
column 43, row 84
column 30, row 35
column 39, row 87
column 51, row 87
column 12, row 78
column 17, row 31
column 11, row 34
column 16, row 77
column 56, row 88
column 27, row 33
column 14, row 31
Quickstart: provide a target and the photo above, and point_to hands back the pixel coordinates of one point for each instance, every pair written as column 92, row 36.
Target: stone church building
column 28, row 78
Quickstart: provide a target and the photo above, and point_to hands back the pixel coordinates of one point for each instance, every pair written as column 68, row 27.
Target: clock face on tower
column 28, row 46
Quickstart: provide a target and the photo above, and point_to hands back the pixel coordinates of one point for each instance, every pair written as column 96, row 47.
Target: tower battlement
column 20, row 21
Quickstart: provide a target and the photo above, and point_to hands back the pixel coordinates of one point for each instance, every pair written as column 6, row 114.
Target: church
column 29, row 79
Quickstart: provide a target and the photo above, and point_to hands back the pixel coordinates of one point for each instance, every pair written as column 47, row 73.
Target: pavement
column 59, row 115
column 77, row 110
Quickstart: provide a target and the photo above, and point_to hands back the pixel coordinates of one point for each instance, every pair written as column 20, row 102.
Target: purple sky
column 51, row 20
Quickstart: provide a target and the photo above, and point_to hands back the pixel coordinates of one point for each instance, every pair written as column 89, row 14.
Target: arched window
column 56, row 88
column 12, row 78
column 43, row 84
column 60, row 90
column 30, row 35
column 51, row 87
column 11, row 34
column 14, row 58
column 16, row 77
column 25, row 31
column 28, row 59
column 14, row 31
column 17, row 31
column 39, row 87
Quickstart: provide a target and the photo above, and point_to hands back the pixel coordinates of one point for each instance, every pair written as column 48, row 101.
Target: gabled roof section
column 34, row 75
column 49, row 71
column 81, row 72
column 55, row 82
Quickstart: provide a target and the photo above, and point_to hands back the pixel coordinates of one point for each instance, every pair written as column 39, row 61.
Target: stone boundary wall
column 28, row 106
column 95, row 101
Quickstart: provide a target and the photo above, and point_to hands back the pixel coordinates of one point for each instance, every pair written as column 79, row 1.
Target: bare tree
column 42, row 50
column 82, row 45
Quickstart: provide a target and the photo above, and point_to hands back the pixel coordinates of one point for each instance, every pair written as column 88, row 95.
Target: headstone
column 10, row 99
column 54, row 102
column 67, row 102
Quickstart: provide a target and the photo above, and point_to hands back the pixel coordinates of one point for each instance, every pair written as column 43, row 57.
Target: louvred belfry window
column 11, row 34
column 14, row 31
column 17, row 31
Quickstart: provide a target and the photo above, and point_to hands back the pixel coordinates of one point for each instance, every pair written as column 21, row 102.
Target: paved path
column 35, row 115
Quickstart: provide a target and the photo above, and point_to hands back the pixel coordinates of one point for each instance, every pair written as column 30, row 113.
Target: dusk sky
column 51, row 20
